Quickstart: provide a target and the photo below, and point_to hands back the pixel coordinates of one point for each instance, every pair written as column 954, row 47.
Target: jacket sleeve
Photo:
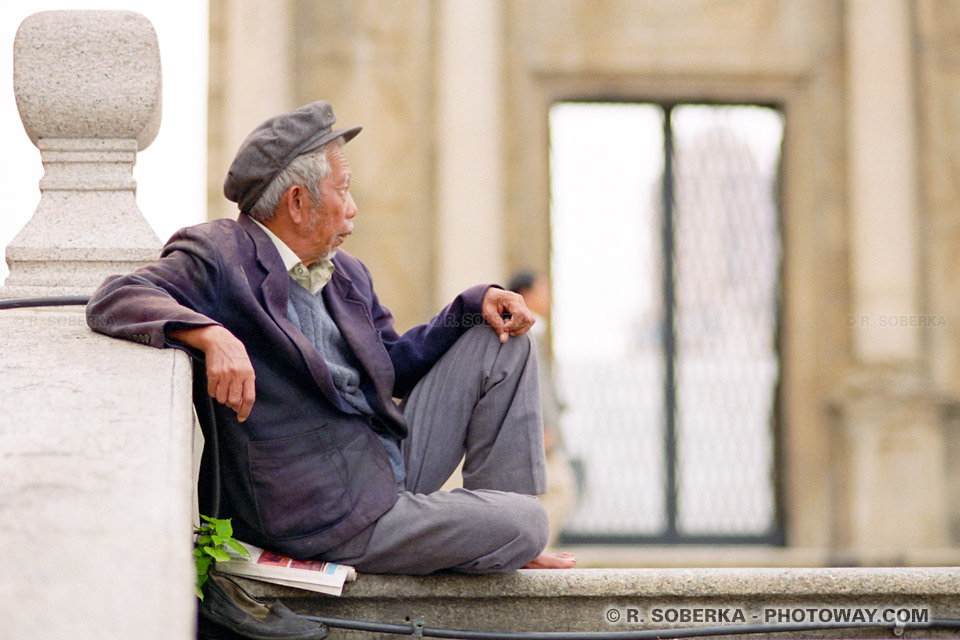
column 178, row 291
column 416, row 351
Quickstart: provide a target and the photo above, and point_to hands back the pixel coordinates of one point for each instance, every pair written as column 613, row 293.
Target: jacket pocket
column 298, row 484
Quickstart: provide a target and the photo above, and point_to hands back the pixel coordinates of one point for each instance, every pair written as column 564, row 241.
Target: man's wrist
column 196, row 337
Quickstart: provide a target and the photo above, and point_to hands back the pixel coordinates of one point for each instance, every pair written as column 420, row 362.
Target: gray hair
column 308, row 170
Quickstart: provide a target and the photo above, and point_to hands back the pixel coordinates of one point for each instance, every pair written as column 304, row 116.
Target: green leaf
column 217, row 554
column 208, row 545
column 203, row 563
column 239, row 548
column 224, row 529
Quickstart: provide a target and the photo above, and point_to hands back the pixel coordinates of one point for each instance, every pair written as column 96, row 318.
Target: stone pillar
column 890, row 466
column 87, row 85
column 468, row 146
column 95, row 433
column 247, row 84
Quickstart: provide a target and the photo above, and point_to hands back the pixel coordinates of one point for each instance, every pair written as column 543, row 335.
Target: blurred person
column 561, row 495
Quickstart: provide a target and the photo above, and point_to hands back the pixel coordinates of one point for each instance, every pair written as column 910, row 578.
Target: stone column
column 890, row 465
column 468, row 146
column 95, row 433
column 87, row 85
column 251, row 79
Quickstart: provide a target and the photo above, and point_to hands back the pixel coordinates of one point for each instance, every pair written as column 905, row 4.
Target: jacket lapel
column 349, row 310
column 275, row 290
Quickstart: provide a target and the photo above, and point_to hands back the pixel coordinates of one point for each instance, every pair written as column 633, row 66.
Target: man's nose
column 351, row 206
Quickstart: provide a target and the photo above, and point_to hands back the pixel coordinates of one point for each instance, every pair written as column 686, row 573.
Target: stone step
column 636, row 599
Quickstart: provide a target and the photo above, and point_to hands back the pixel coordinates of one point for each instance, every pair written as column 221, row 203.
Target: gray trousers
column 479, row 402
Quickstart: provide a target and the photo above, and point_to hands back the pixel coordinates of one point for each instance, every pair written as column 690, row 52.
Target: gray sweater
column 309, row 314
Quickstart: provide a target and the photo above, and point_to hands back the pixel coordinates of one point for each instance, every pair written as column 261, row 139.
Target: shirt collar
column 312, row 278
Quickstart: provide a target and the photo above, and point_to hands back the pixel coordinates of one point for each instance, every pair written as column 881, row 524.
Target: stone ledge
column 577, row 600
column 94, row 482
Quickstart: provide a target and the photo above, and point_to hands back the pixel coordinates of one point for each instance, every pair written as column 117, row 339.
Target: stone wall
column 938, row 86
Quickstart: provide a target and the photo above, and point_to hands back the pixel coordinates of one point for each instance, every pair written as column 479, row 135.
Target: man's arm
column 417, row 350
column 172, row 303
column 178, row 291
column 230, row 375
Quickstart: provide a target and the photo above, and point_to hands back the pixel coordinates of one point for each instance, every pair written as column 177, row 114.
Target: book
column 268, row 566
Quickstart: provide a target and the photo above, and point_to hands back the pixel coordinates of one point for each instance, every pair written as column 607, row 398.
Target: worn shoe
column 228, row 612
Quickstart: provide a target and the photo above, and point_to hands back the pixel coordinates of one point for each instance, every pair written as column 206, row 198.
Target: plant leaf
column 224, row 529
column 203, row 563
column 217, row 554
column 239, row 548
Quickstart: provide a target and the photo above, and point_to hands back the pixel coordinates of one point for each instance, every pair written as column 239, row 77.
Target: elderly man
column 317, row 459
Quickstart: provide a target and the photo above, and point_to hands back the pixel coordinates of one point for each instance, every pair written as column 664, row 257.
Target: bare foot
column 558, row 560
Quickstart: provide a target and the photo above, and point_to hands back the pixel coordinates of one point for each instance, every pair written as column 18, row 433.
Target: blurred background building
column 750, row 213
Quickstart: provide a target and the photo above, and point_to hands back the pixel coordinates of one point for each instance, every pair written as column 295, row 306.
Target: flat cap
column 274, row 144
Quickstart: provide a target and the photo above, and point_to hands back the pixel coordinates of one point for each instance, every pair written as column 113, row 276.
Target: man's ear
column 295, row 200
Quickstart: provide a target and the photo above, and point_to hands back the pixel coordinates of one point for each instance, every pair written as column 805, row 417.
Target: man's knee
column 527, row 528
column 511, row 531
column 484, row 334
column 538, row 524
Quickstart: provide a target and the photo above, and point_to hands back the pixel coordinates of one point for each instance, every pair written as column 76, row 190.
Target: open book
column 322, row 577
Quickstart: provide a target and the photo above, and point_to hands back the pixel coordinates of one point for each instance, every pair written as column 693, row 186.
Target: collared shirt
column 312, row 278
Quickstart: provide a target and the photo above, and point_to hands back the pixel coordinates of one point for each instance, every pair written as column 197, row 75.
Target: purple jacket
column 305, row 471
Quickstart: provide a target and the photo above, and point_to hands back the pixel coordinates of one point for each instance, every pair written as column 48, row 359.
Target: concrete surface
column 95, row 489
column 586, row 599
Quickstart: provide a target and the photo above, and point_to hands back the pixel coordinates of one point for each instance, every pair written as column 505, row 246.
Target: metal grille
column 666, row 262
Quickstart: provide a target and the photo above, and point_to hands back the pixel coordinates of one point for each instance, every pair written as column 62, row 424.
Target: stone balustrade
column 87, row 86
column 95, row 433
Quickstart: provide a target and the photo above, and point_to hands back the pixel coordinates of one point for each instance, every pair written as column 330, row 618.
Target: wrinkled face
column 329, row 220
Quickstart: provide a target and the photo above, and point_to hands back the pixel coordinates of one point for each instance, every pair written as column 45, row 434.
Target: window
column 666, row 278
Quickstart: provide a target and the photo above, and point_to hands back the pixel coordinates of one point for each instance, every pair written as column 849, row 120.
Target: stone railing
column 95, row 433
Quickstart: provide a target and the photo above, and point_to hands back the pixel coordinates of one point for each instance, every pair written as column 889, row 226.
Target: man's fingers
column 501, row 328
column 230, row 375
column 223, row 390
column 248, row 396
column 233, row 387
column 497, row 304
column 235, row 394
column 496, row 322
column 519, row 323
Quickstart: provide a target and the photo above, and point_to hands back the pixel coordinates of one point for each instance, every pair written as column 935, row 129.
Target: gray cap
column 274, row 144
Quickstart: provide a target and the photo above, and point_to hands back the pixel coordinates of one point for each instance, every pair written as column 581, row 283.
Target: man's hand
column 230, row 375
column 497, row 303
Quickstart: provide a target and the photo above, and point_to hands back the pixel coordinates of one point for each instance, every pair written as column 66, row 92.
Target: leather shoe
column 228, row 612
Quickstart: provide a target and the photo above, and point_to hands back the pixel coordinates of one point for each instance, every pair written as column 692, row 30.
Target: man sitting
column 317, row 459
